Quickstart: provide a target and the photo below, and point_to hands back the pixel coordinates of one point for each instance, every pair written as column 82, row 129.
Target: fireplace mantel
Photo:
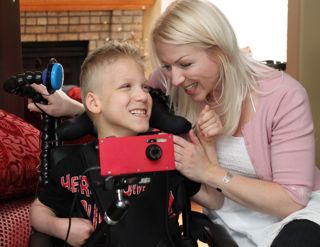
column 83, row 5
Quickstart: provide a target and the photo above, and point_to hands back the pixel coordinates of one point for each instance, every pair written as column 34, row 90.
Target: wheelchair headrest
column 75, row 128
column 162, row 118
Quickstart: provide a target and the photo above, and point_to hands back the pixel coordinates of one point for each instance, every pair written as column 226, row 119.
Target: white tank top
column 247, row 227
column 244, row 225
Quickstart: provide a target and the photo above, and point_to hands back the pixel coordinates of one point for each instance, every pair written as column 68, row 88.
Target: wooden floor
column 200, row 244
column 196, row 207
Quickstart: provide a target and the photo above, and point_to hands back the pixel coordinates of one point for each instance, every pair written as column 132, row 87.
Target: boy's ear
column 93, row 103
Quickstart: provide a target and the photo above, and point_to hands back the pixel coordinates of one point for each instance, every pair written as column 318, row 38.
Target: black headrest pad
column 162, row 118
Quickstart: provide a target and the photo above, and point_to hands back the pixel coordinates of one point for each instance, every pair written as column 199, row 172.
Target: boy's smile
column 125, row 100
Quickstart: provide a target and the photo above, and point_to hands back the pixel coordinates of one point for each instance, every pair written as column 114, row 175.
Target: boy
column 116, row 97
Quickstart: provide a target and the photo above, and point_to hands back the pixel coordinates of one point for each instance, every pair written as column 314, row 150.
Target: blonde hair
column 99, row 58
column 201, row 23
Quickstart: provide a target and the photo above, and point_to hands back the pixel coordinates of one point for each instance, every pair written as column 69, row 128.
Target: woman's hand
column 208, row 125
column 207, row 129
column 191, row 158
column 194, row 159
column 59, row 103
column 198, row 160
column 193, row 162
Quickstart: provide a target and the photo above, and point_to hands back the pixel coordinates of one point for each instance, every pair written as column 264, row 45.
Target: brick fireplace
column 45, row 33
column 94, row 26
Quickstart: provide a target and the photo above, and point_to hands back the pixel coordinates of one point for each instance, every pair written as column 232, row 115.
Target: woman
column 254, row 124
column 262, row 160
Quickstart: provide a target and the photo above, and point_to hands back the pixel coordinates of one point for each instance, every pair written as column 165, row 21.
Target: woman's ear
column 93, row 103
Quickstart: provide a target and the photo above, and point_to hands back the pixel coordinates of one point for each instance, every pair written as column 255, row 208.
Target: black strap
column 100, row 195
column 103, row 195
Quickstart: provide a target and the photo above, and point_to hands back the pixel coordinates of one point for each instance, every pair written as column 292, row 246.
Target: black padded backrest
column 58, row 153
column 162, row 118
column 75, row 128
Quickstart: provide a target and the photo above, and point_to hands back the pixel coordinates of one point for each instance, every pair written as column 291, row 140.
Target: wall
column 95, row 26
column 150, row 17
column 98, row 26
column 304, row 53
column 10, row 54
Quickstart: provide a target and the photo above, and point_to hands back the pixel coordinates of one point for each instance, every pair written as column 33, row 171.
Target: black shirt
column 143, row 224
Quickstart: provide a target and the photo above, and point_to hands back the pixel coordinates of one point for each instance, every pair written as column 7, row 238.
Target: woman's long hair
column 201, row 23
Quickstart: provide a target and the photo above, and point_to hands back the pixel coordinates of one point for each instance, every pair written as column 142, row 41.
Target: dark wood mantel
column 81, row 5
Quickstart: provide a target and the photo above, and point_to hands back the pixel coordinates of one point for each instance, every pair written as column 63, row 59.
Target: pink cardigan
column 280, row 138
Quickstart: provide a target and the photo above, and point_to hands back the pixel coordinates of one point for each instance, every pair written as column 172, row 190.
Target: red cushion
column 15, row 227
column 19, row 156
column 75, row 93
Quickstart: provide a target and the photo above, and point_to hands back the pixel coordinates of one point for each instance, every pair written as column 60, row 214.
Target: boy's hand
column 80, row 231
column 208, row 125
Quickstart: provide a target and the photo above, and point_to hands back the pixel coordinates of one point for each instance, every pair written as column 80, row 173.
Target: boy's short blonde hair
column 107, row 54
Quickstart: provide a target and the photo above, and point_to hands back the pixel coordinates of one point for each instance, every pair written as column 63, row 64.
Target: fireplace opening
column 70, row 54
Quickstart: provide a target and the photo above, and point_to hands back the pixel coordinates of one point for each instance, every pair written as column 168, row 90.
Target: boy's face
column 125, row 100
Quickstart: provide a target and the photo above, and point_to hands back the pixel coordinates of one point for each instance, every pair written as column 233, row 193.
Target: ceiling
column 83, row 5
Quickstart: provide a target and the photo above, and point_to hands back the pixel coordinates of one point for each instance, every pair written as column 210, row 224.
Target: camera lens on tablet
column 153, row 152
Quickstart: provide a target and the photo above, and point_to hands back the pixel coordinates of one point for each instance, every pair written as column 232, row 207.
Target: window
column 261, row 25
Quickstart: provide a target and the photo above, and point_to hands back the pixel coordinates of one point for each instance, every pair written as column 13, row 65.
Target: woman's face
column 190, row 67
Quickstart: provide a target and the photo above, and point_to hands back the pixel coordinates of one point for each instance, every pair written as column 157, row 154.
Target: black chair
column 195, row 226
column 55, row 149
column 55, row 133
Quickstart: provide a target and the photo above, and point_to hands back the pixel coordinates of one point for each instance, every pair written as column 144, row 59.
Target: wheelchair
column 55, row 135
